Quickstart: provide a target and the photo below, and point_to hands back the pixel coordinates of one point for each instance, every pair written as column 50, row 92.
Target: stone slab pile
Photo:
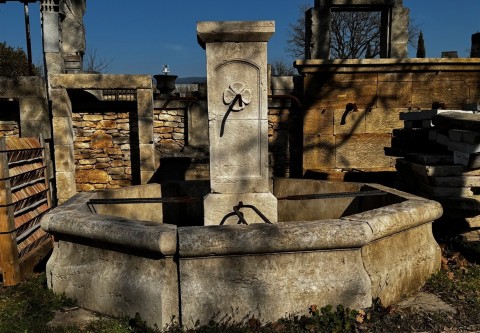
column 450, row 173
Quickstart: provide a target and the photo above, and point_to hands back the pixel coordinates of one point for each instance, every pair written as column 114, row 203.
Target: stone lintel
column 22, row 86
column 357, row 3
column 234, row 31
column 100, row 81
column 387, row 65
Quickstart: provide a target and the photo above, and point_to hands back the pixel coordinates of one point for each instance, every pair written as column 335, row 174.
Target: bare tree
column 282, row 68
column 352, row 34
column 94, row 64
column 296, row 34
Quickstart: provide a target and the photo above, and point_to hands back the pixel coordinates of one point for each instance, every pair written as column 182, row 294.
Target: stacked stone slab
column 451, row 173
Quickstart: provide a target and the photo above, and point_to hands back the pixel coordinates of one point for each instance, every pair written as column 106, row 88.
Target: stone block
column 145, row 103
column 147, row 157
column 454, row 93
column 380, row 120
column 255, row 281
column 243, row 167
column 64, row 159
column 92, row 176
column 313, row 209
column 349, row 122
column 100, row 139
column 146, row 176
column 66, row 185
column 197, row 124
column 218, row 205
column 362, row 151
column 107, row 285
column 394, row 94
column 337, row 95
column 318, row 152
column 34, row 117
column 408, row 259
column 61, row 104
column 145, row 130
column 62, row 130
column 318, row 121
column 100, row 81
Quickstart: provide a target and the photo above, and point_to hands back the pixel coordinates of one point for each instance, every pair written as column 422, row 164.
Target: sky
column 139, row 37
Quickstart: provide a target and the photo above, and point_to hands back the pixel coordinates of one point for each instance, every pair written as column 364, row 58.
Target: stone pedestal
column 237, row 115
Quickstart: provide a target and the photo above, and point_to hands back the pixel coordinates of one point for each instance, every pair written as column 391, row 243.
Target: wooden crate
column 24, row 198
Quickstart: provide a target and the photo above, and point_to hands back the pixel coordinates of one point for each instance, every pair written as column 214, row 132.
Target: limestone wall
column 352, row 106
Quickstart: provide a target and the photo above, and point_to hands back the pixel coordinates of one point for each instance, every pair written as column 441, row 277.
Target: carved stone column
column 237, row 114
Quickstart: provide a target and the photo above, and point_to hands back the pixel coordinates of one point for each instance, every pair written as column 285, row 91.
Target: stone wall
column 169, row 129
column 352, row 106
column 102, row 150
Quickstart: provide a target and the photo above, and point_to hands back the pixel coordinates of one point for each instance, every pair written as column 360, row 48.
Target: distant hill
column 191, row 79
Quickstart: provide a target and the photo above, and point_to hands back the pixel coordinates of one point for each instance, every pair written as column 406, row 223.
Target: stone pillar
column 54, row 63
column 237, row 114
column 399, row 33
column 317, row 33
column 73, row 34
column 475, row 51
column 148, row 165
column 63, row 145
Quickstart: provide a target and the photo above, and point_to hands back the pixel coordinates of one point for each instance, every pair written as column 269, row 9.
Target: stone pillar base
column 217, row 205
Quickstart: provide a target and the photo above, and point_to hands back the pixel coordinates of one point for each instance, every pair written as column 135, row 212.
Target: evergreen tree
column 421, row 46
column 13, row 62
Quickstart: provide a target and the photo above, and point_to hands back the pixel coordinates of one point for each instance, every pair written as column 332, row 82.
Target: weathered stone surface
column 383, row 120
column 91, row 176
column 362, row 151
column 64, row 159
column 400, row 216
column 412, row 257
column 345, row 261
column 254, row 283
column 64, row 126
column 272, row 238
column 107, row 286
column 145, row 103
column 319, row 152
column 34, row 117
column 313, row 209
column 100, row 81
column 394, row 94
column 66, row 187
column 235, row 31
column 100, row 139
column 318, row 121
column 349, row 122
column 218, row 205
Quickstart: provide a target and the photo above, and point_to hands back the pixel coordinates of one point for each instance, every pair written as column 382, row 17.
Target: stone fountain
column 304, row 242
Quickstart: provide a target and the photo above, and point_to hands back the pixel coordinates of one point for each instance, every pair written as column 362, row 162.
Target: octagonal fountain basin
column 336, row 243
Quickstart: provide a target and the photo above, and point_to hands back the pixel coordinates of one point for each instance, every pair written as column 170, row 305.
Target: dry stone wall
column 169, row 129
column 102, row 150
